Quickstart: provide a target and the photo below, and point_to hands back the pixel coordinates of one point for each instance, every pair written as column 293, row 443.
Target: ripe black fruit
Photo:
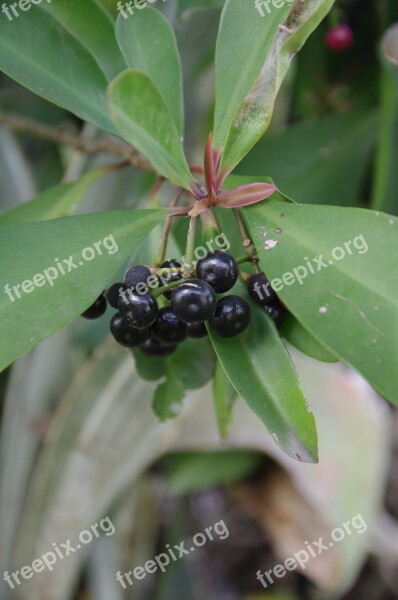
column 231, row 317
column 278, row 313
column 167, row 278
column 154, row 347
column 193, row 301
column 196, row 330
column 113, row 294
column 218, row 269
column 136, row 275
column 140, row 311
column 125, row 334
column 97, row 309
column 261, row 291
column 168, row 328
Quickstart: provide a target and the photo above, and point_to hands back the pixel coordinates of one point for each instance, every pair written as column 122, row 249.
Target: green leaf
column 88, row 248
column 149, row 368
column 249, row 73
column 50, row 204
column 261, row 370
column 189, row 368
column 301, row 339
column 68, row 76
column 324, row 160
column 350, row 303
column 190, row 472
column 225, row 396
column 185, row 7
column 91, row 24
column 148, row 43
column 143, row 119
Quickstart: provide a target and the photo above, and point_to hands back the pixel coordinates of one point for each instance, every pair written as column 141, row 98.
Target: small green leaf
column 91, row 24
column 249, row 73
column 68, row 76
column 50, row 204
column 225, row 396
column 261, row 370
column 143, row 119
column 301, row 339
column 149, row 368
column 168, row 399
column 58, row 271
column 350, row 301
column 148, row 43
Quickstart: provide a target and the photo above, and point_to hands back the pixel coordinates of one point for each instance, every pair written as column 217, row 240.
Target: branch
column 61, row 135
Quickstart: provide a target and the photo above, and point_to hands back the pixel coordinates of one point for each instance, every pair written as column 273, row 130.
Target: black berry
column 218, row 269
column 231, row 317
column 277, row 313
column 166, row 278
column 196, row 330
column 140, row 311
column 113, row 294
column 136, row 275
column 168, row 328
column 193, row 301
column 154, row 347
column 125, row 334
column 97, row 309
column 261, row 291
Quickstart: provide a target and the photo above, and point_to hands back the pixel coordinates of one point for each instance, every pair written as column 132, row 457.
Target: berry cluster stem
column 190, row 250
column 159, row 259
column 247, row 243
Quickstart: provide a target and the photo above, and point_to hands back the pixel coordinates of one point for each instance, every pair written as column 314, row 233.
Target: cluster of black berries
column 157, row 332
column 261, row 291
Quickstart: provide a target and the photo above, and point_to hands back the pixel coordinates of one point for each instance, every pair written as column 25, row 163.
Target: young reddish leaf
column 246, row 195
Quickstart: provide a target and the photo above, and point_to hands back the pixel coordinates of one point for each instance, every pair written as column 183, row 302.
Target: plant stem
column 160, row 256
column 248, row 245
column 166, row 288
column 243, row 259
column 189, row 254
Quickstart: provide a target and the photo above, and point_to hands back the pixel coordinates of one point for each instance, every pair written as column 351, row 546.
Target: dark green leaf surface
column 261, row 370
column 300, row 338
column 351, row 304
column 36, row 51
column 225, row 396
column 148, row 43
column 143, row 119
column 28, row 250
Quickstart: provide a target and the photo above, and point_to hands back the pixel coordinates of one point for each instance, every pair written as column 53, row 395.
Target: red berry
column 339, row 38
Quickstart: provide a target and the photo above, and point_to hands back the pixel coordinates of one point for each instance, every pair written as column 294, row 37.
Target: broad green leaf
column 38, row 53
column 386, row 172
column 149, row 368
column 52, row 203
column 143, row 119
column 189, row 368
column 325, row 160
column 52, row 271
column 93, row 27
column 350, row 302
column 225, row 396
column 185, row 7
column 148, row 43
column 301, row 339
column 261, row 370
column 249, row 73
column 190, row 472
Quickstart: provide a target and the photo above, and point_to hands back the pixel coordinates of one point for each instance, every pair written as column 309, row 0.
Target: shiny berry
column 277, row 313
column 260, row 290
column 231, row 317
column 141, row 311
column 125, row 334
column 339, row 38
column 196, row 330
column 166, row 278
column 218, row 269
column 113, row 294
column 168, row 328
column 97, row 309
column 136, row 275
column 154, row 347
column 193, row 301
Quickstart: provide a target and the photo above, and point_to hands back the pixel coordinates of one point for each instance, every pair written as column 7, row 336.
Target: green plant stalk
column 189, row 254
